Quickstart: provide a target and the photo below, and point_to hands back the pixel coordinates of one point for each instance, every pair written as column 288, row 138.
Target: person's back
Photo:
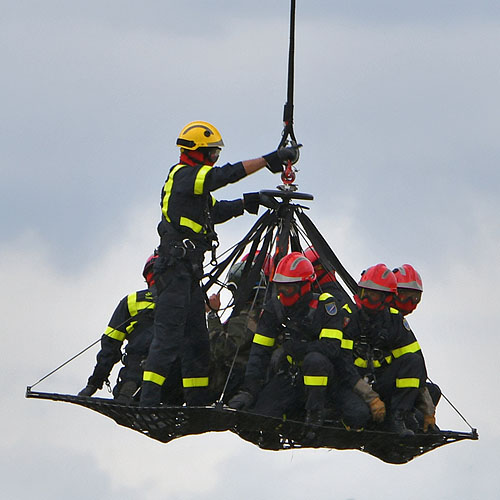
column 131, row 322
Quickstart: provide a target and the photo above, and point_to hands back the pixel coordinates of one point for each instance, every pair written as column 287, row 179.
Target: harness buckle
column 188, row 244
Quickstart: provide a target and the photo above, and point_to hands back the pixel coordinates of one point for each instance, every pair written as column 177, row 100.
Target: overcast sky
column 397, row 105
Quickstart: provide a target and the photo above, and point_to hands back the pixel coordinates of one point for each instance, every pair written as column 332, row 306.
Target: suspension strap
column 325, row 252
column 288, row 109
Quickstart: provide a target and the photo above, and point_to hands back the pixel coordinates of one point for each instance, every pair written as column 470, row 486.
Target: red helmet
column 410, row 288
column 293, row 277
column 322, row 275
column 148, row 269
column 408, row 277
column 377, row 286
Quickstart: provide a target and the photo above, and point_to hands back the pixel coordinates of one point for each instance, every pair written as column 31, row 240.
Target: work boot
column 315, row 417
column 127, row 392
column 150, row 394
column 411, row 422
column 398, row 426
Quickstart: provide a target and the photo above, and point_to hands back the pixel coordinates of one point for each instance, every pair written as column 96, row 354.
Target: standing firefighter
column 386, row 352
column 189, row 212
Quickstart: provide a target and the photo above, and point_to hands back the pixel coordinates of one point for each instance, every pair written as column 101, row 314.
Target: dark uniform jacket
column 132, row 320
column 188, row 208
column 315, row 324
column 380, row 339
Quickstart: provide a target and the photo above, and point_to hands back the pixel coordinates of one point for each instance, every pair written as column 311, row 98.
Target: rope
column 84, row 350
column 455, row 408
column 64, row 364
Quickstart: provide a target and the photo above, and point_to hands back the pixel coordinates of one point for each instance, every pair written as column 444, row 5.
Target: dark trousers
column 180, row 332
column 406, row 368
column 285, row 394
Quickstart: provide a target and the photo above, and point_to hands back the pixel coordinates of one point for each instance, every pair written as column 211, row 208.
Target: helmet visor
column 373, row 296
column 287, row 289
column 405, row 295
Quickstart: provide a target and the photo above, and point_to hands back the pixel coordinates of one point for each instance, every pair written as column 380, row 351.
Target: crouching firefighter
column 132, row 321
column 410, row 289
column 314, row 362
column 386, row 353
column 189, row 212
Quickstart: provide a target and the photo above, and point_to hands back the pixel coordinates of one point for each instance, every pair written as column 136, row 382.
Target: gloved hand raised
column 280, row 157
column 241, row 401
column 88, row 390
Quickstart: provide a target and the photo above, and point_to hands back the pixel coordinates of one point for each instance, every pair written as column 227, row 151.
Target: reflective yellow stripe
column 214, row 201
column 413, row 347
column 168, row 191
column 347, row 344
column 184, row 221
column 262, row 340
column 135, row 306
column 115, row 334
column 130, row 328
column 347, row 308
column 402, row 383
column 325, row 296
column 132, row 304
column 363, row 363
column 315, row 380
column 195, row 382
column 199, row 182
column 331, row 333
column 153, row 377
column 393, row 310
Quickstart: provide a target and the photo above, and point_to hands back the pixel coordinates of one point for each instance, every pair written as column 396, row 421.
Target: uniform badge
column 331, row 308
column 406, row 324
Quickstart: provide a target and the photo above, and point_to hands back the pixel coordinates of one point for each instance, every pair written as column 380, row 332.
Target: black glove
column 277, row 159
column 278, row 360
column 296, row 349
column 241, row 401
column 251, row 202
column 88, row 390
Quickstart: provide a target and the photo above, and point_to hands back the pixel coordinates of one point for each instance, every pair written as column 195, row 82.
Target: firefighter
column 132, row 321
column 231, row 341
column 314, row 361
column 326, row 281
column 409, row 295
column 386, row 352
column 189, row 212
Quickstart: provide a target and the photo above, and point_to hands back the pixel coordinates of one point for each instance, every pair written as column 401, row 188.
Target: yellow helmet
column 199, row 135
